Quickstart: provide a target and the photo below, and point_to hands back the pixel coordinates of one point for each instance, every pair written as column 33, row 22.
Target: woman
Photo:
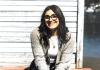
column 52, row 44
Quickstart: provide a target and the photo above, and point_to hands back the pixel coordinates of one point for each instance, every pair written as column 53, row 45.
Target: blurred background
column 92, row 34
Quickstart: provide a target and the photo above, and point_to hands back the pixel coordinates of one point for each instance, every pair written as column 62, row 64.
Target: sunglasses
column 53, row 17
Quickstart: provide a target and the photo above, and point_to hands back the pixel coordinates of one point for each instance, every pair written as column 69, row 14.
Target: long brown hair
column 62, row 29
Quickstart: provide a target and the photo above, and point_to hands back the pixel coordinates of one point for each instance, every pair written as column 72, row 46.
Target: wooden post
column 80, row 34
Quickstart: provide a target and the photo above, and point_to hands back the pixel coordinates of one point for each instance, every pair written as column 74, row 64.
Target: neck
column 54, row 32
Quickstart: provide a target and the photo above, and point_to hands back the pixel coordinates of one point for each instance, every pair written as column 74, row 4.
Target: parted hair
column 62, row 29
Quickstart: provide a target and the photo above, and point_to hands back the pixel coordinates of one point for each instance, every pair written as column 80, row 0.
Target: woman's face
column 51, row 19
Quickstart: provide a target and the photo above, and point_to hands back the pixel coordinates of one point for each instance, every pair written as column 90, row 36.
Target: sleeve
column 67, row 53
column 38, row 52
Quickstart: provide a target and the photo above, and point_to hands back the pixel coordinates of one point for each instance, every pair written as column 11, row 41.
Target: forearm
column 40, row 59
column 41, row 63
column 64, row 65
column 66, row 57
column 38, row 52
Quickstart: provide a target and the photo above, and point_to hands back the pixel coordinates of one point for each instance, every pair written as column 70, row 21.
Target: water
column 92, row 53
column 92, row 47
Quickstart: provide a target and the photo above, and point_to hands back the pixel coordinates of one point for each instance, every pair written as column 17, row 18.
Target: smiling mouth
column 49, row 23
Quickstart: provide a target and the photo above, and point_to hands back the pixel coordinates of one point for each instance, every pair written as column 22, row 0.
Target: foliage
column 88, row 3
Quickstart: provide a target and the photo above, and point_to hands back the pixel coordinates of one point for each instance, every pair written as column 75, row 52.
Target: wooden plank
column 41, row 3
column 30, row 24
column 30, row 14
column 12, row 68
column 16, row 55
column 20, row 45
column 16, row 29
column 2, row 64
column 21, row 55
column 15, row 50
column 20, row 34
column 15, row 45
column 24, row 60
column 33, row 8
column 71, row 24
column 31, row 19
column 26, row 64
column 17, row 60
column 14, row 34
column 7, row 26
column 19, row 24
column 24, row 14
column 15, row 64
column 15, row 40
column 20, row 29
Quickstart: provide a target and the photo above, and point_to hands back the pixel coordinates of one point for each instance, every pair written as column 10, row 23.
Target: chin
column 53, row 28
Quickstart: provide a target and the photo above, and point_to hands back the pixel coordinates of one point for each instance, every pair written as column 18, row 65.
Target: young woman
column 52, row 44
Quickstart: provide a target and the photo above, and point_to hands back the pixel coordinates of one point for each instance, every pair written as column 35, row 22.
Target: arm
column 38, row 52
column 66, row 56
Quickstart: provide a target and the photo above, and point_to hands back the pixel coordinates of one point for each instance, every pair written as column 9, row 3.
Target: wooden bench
column 83, row 69
column 23, row 68
column 13, row 68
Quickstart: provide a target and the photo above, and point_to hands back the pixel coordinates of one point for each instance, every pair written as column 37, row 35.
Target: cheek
column 57, row 22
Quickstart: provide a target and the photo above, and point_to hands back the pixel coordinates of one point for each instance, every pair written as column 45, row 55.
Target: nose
column 50, row 19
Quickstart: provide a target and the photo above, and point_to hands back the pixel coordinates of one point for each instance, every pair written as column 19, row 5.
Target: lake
column 92, row 52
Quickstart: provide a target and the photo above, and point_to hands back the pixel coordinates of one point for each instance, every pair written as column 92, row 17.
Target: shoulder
column 68, row 35
column 70, row 41
column 35, row 32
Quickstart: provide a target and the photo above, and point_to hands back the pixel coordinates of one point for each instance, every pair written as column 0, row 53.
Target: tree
column 92, row 5
column 88, row 3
